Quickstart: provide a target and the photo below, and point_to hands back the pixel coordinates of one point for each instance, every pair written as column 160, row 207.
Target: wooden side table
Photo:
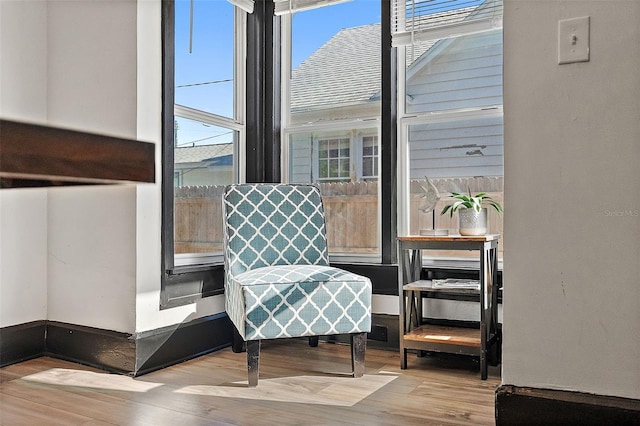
column 414, row 333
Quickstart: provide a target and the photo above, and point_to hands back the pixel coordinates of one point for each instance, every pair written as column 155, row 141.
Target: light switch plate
column 573, row 40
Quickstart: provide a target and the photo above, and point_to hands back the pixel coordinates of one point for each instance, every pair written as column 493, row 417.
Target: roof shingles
column 318, row 82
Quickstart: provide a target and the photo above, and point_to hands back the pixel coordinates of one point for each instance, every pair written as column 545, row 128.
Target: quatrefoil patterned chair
column 278, row 282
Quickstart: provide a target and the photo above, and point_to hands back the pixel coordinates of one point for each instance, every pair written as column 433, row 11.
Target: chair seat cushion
column 298, row 300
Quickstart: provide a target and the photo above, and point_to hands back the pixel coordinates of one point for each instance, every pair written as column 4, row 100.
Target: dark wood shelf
column 34, row 155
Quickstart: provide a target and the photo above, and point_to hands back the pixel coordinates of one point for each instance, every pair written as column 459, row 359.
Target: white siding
column 457, row 74
column 300, row 161
column 457, row 148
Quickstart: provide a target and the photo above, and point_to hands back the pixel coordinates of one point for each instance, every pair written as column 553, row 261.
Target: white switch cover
column 573, row 40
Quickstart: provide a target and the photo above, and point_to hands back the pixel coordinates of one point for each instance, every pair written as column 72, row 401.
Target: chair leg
column 253, row 361
column 313, row 341
column 358, row 348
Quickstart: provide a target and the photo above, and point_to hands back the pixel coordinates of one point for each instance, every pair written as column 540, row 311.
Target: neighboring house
column 203, row 165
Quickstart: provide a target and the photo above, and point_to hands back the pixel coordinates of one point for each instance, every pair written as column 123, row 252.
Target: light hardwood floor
column 298, row 385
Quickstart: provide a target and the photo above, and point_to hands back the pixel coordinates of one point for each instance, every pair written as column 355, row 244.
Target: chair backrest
column 273, row 224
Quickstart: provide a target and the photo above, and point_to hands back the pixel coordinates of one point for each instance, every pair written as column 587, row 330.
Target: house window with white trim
column 370, row 157
column 334, row 159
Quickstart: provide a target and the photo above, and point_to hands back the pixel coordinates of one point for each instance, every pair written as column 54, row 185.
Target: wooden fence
column 197, row 219
column 351, row 211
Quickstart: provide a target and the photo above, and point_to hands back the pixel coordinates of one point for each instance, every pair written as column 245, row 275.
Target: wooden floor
column 298, row 385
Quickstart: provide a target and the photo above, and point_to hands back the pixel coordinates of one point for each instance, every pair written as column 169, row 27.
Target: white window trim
column 288, row 7
column 316, row 144
column 246, row 5
column 206, row 117
column 360, row 150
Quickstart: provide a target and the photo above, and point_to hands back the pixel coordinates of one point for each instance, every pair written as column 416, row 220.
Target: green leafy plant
column 468, row 201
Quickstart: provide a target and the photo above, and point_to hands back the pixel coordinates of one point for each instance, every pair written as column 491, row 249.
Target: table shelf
column 439, row 334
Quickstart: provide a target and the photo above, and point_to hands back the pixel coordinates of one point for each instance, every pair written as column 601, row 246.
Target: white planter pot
column 472, row 222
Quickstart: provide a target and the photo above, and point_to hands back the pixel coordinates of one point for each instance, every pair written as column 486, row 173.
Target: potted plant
column 472, row 212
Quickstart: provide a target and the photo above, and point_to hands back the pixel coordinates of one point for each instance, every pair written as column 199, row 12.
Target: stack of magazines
column 456, row 283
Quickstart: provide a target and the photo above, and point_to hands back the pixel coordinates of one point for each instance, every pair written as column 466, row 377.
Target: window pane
column 324, row 85
column 337, row 165
column 456, row 156
column 335, row 78
column 203, row 166
column 205, row 82
column 204, row 56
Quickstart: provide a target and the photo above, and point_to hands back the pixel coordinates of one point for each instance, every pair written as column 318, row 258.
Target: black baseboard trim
column 171, row 345
column 385, row 333
column 114, row 351
column 532, row 406
column 108, row 350
column 22, row 342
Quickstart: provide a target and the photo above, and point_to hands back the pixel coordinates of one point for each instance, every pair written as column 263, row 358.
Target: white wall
column 23, row 213
column 92, row 86
column 572, row 132
column 85, row 255
column 23, row 256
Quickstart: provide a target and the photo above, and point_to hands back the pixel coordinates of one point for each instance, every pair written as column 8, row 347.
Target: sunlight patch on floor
column 89, row 379
column 333, row 390
column 321, row 390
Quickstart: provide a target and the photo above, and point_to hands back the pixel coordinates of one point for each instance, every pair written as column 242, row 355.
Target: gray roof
column 343, row 71
column 197, row 154
column 346, row 69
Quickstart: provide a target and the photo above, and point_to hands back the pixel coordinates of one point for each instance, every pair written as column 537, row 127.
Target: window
column 333, row 159
column 331, row 115
column 204, row 131
column 370, row 157
column 450, row 106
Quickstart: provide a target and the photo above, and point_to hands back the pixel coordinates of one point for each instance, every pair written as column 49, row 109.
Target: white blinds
column 414, row 20
column 246, row 5
column 289, row 6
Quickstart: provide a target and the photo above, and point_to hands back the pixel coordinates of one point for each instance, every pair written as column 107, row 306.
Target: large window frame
column 261, row 157
column 190, row 277
column 259, row 150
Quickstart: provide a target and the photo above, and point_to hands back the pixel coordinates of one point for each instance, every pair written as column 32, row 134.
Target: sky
column 204, row 61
